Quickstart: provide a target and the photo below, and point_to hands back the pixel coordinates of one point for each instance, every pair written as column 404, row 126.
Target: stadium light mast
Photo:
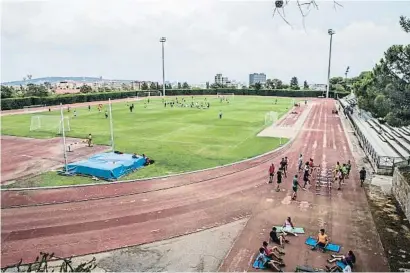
column 62, row 128
column 347, row 72
column 162, row 41
column 331, row 32
column 111, row 126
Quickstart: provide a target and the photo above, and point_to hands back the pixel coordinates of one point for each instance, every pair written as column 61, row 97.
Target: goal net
column 225, row 95
column 271, row 118
column 52, row 124
column 149, row 94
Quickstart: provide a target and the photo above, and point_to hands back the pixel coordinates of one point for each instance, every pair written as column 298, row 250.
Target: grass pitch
column 178, row 139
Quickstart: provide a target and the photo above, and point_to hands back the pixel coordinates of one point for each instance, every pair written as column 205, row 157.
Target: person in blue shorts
column 265, row 262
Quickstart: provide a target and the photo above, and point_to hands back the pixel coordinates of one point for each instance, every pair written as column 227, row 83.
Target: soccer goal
column 225, row 95
column 271, row 118
column 149, row 94
column 49, row 124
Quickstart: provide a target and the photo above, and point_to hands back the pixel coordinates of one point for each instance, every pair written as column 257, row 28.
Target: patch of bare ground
column 392, row 226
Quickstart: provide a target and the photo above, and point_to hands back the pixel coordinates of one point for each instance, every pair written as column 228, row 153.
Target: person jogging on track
column 271, row 173
column 362, row 176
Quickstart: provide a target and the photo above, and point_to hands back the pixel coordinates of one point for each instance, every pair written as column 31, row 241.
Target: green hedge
column 18, row 103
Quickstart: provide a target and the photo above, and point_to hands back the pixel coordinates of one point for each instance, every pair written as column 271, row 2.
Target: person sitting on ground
column 349, row 259
column 322, row 241
column 270, row 251
column 265, row 262
column 280, row 240
column 288, row 227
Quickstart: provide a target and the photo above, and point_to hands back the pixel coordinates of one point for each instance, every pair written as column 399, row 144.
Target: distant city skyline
column 241, row 37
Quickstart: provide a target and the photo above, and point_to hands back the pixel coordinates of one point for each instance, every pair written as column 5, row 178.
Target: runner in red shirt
column 271, row 172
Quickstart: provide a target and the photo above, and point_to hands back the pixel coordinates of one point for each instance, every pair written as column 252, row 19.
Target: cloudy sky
column 119, row 39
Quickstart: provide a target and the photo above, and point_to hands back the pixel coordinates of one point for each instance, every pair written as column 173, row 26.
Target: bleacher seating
column 380, row 141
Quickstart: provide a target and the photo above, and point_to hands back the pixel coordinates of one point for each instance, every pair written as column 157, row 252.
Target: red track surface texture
column 118, row 215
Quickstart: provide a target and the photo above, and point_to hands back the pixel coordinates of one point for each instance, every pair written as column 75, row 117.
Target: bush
column 18, row 103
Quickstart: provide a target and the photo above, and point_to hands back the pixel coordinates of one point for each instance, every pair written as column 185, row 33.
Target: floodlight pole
column 111, row 126
column 162, row 41
column 331, row 32
column 64, row 143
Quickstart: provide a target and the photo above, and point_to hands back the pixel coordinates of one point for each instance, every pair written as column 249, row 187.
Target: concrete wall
column 401, row 191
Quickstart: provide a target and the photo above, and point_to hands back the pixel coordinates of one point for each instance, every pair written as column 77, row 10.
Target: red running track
column 147, row 211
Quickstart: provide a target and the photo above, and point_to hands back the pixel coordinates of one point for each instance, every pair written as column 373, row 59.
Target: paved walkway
column 92, row 220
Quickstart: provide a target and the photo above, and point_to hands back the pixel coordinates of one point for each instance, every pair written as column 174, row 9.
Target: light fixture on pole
column 347, row 71
column 162, row 41
column 331, row 32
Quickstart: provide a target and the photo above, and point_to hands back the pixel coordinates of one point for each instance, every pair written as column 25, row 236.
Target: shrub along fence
column 18, row 103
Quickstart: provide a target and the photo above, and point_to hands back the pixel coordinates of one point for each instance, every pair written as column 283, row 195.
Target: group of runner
column 340, row 173
column 307, row 169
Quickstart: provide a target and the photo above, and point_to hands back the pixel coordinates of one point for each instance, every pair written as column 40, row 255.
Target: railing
column 384, row 163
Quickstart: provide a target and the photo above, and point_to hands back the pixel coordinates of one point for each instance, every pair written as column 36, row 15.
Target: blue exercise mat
column 258, row 264
column 331, row 247
column 341, row 264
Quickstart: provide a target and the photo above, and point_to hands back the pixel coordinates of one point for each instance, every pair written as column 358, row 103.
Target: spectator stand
column 384, row 145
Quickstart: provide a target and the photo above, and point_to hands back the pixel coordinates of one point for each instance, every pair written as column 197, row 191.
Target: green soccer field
column 178, row 139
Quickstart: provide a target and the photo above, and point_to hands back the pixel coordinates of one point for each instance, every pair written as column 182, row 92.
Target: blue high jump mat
column 108, row 166
column 297, row 230
column 258, row 264
column 341, row 264
column 331, row 247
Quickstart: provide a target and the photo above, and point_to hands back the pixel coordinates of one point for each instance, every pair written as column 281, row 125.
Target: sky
column 119, row 39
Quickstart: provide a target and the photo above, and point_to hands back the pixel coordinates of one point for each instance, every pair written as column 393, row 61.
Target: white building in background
column 318, row 86
column 220, row 79
column 257, row 78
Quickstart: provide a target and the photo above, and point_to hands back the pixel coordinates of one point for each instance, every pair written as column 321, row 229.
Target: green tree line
column 385, row 90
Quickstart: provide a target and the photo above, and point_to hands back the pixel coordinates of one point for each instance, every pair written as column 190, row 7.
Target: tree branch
column 304, row 7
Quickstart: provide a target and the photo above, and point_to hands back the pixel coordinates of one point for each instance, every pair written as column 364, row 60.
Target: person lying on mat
column 322, row 241
column 280, row 240
column 288, row 227
column 265, row 262
column 346, row 269
column 349, row 259
column 270, row 251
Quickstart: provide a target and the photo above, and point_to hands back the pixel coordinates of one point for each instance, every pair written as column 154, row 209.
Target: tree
column 277, row 84
column 41, row 265
column 85, row 89
column 185, row 85
column 405, row 23
column 257, row 86
column 179, row 85
column 385, row 91
column 305, row 85
column 294, row 83
column 34, row 90
column 207, row 85
column 153, row 86
column 285, row 86
column 305, row 7
column 7, row 92
column 269, row 84
column 47, row 85
column 144, row 86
